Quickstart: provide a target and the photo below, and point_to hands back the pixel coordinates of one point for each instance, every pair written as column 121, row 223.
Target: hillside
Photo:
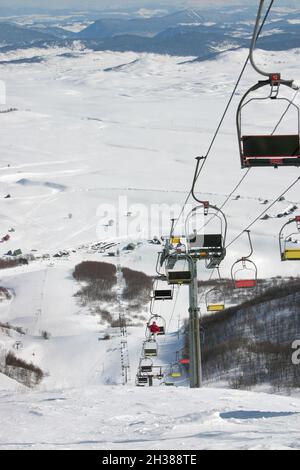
column 250, row 345
column 97, row 156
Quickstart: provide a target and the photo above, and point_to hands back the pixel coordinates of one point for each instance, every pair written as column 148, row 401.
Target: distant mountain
column 56, row 32
column 105, row 28
column 202, row 34
column 201, row 42
column 14, row 35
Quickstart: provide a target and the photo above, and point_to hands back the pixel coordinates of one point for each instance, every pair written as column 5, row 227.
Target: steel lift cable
column 264, row 212
column 225, row 112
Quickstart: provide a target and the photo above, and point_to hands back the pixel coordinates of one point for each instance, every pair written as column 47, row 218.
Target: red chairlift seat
column 244, row 270
column 245, row 283
column 184, row 361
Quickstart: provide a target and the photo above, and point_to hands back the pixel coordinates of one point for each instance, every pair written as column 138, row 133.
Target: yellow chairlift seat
column 175, row 375
column 292, row 254
column 215, row 307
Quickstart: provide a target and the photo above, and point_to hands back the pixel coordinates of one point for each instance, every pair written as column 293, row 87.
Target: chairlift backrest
column 143, row 380
column 163, row 294
column 205, row 241
column 179, row 277
column 150, row 348
column 271, row 146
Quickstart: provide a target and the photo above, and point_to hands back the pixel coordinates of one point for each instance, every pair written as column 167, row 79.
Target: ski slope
column 92, row 128
column 125, row 125
column 129, row 418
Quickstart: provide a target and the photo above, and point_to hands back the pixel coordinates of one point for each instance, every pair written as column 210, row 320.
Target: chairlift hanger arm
column 256, row 33
column 257, row 86
column 196, row 176
column 250, row 243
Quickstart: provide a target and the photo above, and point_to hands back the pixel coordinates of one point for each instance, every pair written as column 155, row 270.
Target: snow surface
column 129, row 418
column 91, row 128
column 87, row 136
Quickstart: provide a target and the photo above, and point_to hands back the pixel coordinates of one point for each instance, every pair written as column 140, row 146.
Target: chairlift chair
column 161, row 323
column 208, row 244
column 175, row 371
column 244, row 274
column 184, row 361
column 287, row 252
column 272, row 149
column 150, row 348
column 244, row 270
column 146, row 365
column 177, row 277
column 210, row 296
column 160, row 293
column 141, row 380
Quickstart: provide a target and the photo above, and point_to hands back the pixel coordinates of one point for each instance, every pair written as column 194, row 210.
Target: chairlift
column 244, row 270
column 272, row 149
column 174, row 276
column 161, row 323
column 146, row 365
column 162, row 294
column 207, row 244
column 175, row 371
column 210, row 296
column 289, row 252
column 150, row 348
column 141, row 380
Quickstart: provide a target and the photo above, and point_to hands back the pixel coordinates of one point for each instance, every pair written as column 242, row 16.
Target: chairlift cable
column 249, row 169
column 264, row 212
column 173, row 311
column 225, row 112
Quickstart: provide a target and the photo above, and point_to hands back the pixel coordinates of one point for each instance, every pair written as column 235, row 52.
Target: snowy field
column 126, row 418
column 91, row 128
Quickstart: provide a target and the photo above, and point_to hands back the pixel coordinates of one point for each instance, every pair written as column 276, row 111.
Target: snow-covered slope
column 127, row 418
column 85, row 137
column 92, row 128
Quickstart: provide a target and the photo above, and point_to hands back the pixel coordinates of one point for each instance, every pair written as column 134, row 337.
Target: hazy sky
column 118, row 3
column 98, row 4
